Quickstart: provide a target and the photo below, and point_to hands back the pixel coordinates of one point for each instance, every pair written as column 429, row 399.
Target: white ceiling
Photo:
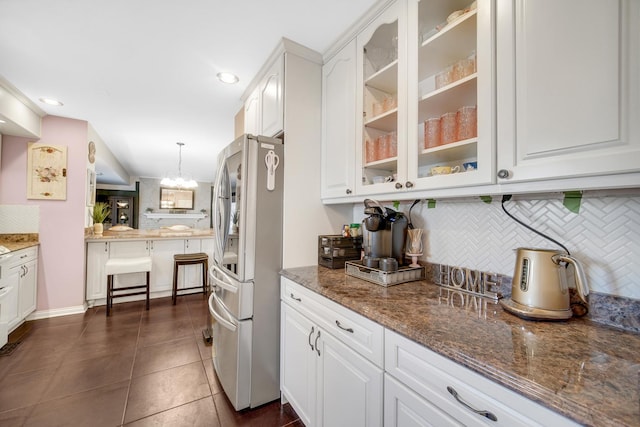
column 143, row 72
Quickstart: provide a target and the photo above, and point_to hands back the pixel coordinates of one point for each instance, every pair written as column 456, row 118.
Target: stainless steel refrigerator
column 244, row 302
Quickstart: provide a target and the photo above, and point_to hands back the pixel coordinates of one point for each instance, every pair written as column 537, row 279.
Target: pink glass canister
column 370, row 150
column 448, row 131
column 467, row 123
column 432, row 132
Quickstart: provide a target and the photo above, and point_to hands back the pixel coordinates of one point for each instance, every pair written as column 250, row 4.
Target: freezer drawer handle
column 294, row 297
column 224, row 322
column 487, row 414
column 311, row 333
column 343, row 328
column 316, row 343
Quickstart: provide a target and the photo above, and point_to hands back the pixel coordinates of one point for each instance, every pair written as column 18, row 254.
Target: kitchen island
column 159, row 244
column 582, row 370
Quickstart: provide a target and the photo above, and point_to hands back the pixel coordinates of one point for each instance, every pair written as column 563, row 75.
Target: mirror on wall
column 173, row 198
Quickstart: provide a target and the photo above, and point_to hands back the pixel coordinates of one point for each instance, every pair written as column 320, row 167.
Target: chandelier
column 178, row 181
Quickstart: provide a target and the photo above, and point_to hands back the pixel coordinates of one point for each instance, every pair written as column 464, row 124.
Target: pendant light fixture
column 178, row 181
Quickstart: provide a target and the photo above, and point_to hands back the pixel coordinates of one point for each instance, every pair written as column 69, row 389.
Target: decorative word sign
column 473, row 282
column 480, row 305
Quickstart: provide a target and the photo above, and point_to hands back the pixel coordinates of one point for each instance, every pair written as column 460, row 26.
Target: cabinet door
column 451, row 139
column 338, row 123
column 404, row 408
column 28, row 274
column 350, row 389
column 162, row 252
column 96, row 281
column 271, row 100
column 568, row 88
column 9, row 312
column 381, row 102
column 251, row 113
column 298, row 361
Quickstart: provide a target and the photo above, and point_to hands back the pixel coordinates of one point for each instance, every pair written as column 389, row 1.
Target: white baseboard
column 56, row 312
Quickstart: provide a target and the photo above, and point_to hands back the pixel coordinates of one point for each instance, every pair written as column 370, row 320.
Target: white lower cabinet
column 27, row 275
column 19, row 275
column 161, row 252
column 324, row 376
column 427, row 385
column 405, row 408
column 335, row 365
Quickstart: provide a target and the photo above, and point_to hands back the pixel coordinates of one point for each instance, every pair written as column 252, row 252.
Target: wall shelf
column 175, row 215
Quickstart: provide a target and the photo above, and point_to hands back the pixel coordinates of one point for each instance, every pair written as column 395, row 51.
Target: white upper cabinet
column 264, row 108
column 252, row 113
column 567, row 88
column 271, row 100
column 338, row 123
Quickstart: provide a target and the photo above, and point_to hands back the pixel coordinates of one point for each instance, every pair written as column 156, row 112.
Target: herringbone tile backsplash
column 604, row 235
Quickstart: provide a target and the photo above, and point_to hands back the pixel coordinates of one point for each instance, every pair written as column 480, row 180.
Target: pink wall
column 61, row 260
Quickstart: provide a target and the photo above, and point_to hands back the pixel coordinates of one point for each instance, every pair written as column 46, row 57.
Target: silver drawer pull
column 294, row 297
column 309, row 340
column 487, row 414
column 342, row 327
column 317, row 348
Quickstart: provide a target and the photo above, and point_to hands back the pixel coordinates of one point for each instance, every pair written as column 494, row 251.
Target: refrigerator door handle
column 227, row 286
column 224, row 322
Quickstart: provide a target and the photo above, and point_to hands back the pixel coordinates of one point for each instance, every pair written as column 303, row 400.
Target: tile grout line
column 133, row 364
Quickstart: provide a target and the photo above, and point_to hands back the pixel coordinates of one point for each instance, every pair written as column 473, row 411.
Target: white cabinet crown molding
column 285, row 45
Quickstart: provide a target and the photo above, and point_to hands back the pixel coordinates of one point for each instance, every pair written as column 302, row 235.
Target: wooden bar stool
column 125, row 266
column 190, row 259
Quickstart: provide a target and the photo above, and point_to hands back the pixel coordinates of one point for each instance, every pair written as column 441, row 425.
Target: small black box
column 335, row 250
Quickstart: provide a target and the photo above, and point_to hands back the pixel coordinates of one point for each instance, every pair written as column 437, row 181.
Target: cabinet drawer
column 431, row 375
column 13, row 259
column 359, row 333
column 24, row 255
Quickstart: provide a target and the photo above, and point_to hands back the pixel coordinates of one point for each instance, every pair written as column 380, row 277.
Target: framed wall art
column 46, row 171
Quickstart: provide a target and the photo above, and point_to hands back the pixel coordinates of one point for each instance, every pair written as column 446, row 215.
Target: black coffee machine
column 385, row 232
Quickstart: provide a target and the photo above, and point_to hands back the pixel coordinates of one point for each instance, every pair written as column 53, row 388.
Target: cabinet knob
column 348, row 191
column 504, row 174
column 398, row 185
column 408, row 184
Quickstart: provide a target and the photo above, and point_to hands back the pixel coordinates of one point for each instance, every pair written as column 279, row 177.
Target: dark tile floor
column 135, row 368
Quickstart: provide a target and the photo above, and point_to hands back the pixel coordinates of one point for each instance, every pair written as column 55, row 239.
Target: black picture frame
column 177, row 198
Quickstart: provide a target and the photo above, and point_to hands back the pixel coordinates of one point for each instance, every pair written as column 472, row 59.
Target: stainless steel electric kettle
column 539, row 289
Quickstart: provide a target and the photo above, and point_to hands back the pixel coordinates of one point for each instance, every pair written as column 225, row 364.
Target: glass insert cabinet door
column 380, row 52
column 450, row 108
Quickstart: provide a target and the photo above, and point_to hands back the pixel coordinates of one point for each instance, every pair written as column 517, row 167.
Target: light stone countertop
column 16, row 242
column 583, row 370
column 160, row 233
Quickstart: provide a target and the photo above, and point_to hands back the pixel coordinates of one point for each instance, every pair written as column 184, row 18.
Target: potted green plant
column 234, row 219
column 101, row 211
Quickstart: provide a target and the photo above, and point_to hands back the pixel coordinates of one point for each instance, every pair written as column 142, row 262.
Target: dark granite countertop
column 583, row 370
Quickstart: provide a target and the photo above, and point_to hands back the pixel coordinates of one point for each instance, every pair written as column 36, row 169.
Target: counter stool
column 190, row 259
column 125, row 266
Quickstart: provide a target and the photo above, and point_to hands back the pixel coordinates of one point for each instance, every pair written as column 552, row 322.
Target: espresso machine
column 385, row 232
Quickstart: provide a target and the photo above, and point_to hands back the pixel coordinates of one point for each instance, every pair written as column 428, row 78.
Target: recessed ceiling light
column 51, row 101
column 2, row 121
column 226, row 77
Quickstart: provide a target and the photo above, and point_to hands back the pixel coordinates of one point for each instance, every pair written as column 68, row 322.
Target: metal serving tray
column 384, row 278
